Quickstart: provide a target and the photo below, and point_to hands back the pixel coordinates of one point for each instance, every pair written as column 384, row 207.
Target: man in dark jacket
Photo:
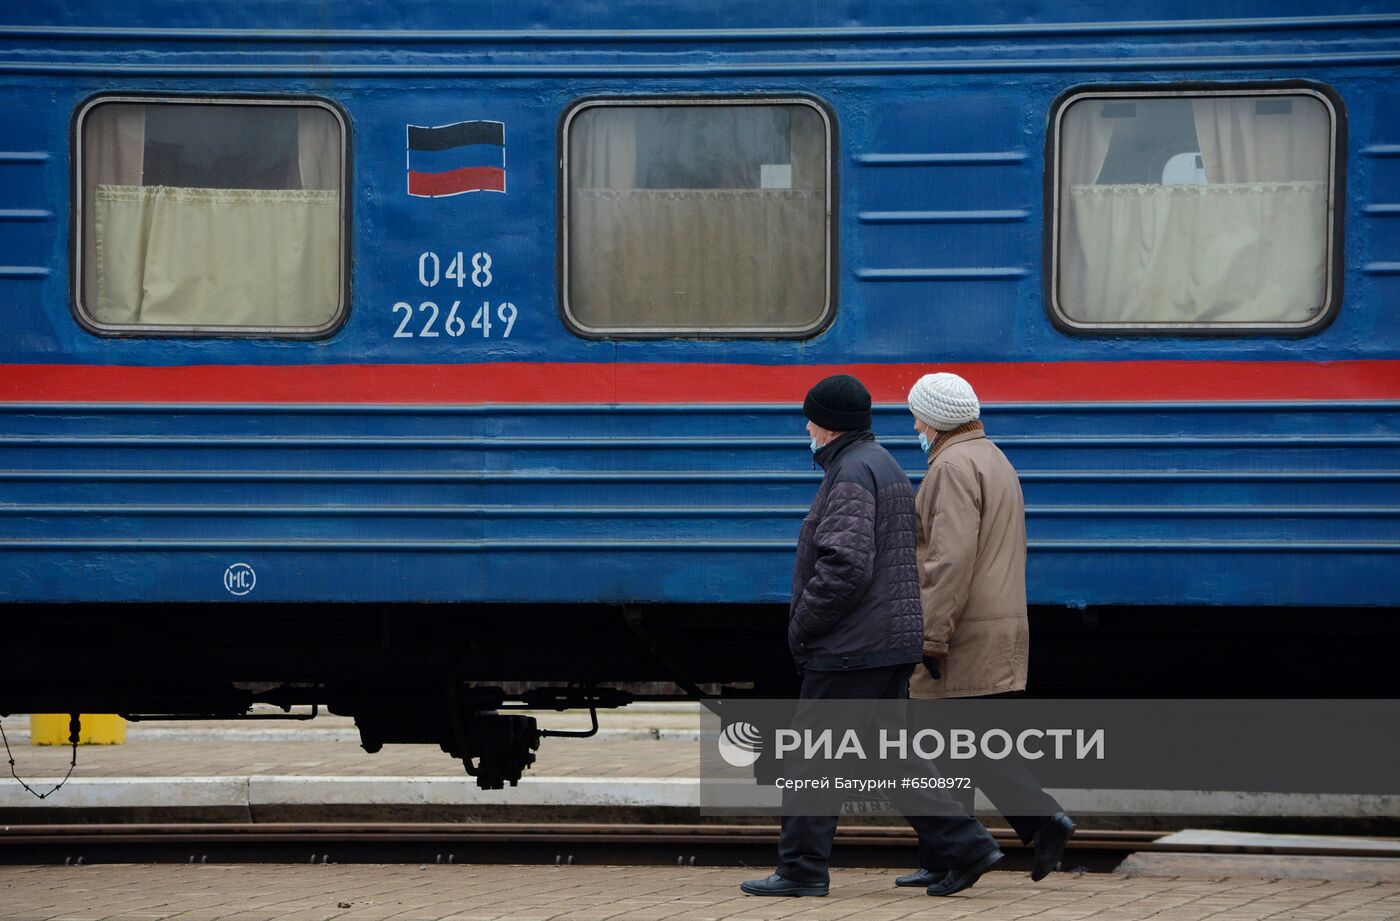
column 856, row 632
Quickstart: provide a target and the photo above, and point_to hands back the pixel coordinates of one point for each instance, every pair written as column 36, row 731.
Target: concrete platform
column 644, row 766
column 172, row 757
column 518, row 893
column 1272, row 866
column 641, row 721
column 1335, row 845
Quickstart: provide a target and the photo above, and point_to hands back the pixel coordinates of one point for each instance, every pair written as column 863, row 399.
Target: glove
column 931, row 664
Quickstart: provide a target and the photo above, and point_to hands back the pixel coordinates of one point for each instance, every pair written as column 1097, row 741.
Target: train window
column 696, row 217
column 198, row 217
column 1205, row 210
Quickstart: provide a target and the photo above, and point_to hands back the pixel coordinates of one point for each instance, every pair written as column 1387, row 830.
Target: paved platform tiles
column 517, row 893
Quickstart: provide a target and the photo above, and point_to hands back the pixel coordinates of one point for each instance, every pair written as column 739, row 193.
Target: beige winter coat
column 972, row 569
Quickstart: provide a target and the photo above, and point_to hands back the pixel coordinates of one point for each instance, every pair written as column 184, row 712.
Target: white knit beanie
column 944, row 401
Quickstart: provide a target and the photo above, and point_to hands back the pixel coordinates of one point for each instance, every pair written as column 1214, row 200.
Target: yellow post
column 97, row 729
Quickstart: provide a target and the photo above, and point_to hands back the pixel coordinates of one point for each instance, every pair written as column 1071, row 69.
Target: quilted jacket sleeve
column 845, row 563
column 950, row 512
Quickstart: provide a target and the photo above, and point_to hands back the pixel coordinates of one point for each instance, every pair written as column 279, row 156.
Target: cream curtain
column 225, row 257
column 603, row 149
column 1241, row 144
column 1238, row 252
column 1248, row 247
column 114, row 150
column 1085, row 136
column 318, row 149
column 669, row 225
column 187, row 256
column 713, row 258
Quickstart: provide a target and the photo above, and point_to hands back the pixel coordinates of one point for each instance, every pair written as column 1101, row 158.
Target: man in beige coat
column 972, row 579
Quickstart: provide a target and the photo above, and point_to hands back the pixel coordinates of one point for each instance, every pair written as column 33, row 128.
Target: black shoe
column 960, row 878
column 920, row 878
column 781, row 885
column 1050, row 843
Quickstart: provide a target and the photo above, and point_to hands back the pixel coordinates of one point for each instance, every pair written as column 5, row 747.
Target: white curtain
column 1243, row 252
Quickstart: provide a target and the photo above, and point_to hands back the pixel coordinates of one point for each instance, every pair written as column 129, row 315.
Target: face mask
column 816, row 447
column 923, row 441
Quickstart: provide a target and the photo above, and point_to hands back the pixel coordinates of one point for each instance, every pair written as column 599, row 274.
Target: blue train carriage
column 401, row 365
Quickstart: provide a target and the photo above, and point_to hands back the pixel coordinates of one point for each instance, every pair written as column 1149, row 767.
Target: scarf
column 943, row 438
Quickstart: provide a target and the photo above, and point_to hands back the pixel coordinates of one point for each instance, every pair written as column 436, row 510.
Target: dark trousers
column 1008, row 780
column 947, row 836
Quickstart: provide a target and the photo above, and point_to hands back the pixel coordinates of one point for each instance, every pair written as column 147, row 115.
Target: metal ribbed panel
column 1148, row 503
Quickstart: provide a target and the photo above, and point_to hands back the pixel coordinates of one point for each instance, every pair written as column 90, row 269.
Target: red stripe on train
column 550, row 382
column 453, row 182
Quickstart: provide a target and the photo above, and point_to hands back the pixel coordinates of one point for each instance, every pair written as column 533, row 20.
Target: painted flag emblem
column 452, row 159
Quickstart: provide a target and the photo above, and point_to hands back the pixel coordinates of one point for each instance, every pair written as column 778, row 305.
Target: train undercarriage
column 463, row 677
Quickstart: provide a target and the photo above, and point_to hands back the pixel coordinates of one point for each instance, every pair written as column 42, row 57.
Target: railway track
column 457, row 843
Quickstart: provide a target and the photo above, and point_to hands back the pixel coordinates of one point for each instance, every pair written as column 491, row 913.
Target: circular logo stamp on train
column 239, row 579
column 740, row 744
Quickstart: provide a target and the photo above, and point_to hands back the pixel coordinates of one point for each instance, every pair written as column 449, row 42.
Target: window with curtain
column 693, row 218
column 1205, row 210
column 211, row 217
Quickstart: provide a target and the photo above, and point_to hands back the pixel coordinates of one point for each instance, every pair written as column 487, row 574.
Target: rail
column 1091, row 850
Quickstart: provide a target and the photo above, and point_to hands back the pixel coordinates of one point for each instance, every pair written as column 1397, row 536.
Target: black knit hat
column 839, row 403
